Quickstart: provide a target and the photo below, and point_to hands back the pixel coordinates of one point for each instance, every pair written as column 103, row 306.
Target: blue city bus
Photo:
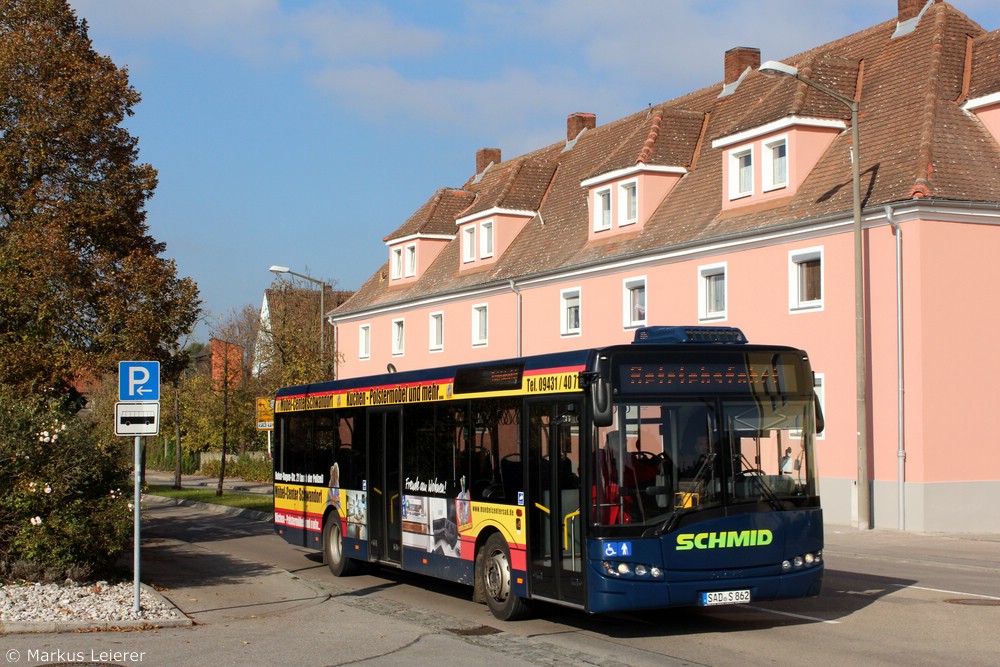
column 678, row 470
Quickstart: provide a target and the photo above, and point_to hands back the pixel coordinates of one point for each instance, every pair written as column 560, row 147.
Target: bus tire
column 333, row 548
column 497, row 581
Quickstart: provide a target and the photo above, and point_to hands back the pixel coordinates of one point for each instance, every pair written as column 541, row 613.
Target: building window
column 774, row 168
column 570, row 309
column 629, row 203
column 602, row 210
column 469, row 243
column 740, row 173
column 436, row 333
column 410, row 266
column 805, row 279
column 486, row 239
column 398, row 337
column 397, row 263
column 634, row 300
column 364, row 341
column 480, row 324
column 712, row 292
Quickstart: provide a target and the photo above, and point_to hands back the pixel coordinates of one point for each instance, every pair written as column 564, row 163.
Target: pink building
column 733, row 205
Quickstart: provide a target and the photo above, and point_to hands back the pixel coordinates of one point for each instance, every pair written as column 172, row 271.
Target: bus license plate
column 725, row 597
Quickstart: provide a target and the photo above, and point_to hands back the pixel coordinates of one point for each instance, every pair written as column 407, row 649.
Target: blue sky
column 302, row 132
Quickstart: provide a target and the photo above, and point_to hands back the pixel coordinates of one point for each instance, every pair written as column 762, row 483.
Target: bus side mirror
column 600, row 402
column 820, row 421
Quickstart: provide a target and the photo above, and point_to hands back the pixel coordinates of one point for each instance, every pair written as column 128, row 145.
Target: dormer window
column 628, row 202
column 469, row 243
column 741, row 173
column 396, row 263
column 486, row 235
column 410, row 263
column 615, row 201
column 486, row 239
column 774, row 168
column 602, row 210
column 769, row 163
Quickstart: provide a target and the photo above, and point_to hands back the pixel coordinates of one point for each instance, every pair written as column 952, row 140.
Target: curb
column 36, row 627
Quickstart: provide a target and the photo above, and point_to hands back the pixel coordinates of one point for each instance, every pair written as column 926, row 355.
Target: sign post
column 137, row 414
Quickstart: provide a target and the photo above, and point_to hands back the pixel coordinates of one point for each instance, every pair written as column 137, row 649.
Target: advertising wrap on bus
column 679, row 470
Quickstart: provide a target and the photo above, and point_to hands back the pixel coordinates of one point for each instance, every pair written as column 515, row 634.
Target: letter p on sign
column 139, row 381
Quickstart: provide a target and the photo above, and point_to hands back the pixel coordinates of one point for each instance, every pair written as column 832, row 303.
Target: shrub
column 251, row 469
column 64, row 496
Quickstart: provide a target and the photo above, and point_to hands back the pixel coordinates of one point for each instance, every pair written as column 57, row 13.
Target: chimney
column 484, row 156
column 741, row 57
column 578, row 122
column 909, row 9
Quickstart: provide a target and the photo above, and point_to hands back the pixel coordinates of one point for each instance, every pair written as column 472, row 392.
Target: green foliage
column 64, row 495
column 251, row 501
column 252, row 469
column 82, row 283
column 159, row 459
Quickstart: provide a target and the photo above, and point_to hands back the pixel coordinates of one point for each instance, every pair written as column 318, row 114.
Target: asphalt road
column 889, row 598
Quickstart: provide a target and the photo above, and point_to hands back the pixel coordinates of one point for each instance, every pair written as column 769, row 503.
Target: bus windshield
column 660, row 460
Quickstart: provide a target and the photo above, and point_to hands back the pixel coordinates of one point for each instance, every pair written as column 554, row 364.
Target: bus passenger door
column 385, row 488
column 554, row 539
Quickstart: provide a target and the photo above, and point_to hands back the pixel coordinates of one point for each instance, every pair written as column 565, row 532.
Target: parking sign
column 138, row 380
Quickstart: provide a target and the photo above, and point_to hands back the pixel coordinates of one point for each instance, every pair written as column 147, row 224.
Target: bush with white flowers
column 64, row 495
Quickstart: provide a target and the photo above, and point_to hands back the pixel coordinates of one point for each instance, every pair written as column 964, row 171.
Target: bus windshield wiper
column 765, row 489
column 696, row 482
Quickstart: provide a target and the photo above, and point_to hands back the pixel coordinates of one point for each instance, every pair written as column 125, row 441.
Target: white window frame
column 768, row 162
column 365, row 341
column 486, row 239
column 706, row 274
column 396, row 263
column 735, row 157
column 796, row 258
column 410, row 260
column 629, row 286
column 469, row 243
column 480, row 324
column 602, row 210
column 566, row 298
column 398, row 337
column 628, row 197
column 435, row 332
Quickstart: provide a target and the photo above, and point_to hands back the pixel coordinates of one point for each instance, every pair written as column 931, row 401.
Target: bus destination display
column 477, row 379
column 727, row 376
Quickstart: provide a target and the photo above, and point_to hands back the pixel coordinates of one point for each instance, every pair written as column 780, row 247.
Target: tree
column 288, row 349
column 82, row 284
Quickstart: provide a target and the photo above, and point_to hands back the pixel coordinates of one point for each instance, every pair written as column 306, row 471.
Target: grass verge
column 250, row 501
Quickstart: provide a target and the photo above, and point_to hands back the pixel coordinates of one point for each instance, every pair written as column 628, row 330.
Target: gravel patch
column 99, row 602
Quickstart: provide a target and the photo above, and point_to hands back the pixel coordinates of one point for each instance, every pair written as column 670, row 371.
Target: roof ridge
column 646, row 151
column 925, row 166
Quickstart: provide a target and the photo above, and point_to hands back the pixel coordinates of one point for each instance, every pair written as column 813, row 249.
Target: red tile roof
column 916, row 141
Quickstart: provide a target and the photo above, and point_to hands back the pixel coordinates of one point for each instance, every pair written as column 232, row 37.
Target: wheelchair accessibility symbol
column 617, row 548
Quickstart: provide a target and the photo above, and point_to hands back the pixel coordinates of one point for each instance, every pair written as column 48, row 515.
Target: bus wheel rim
column 498, row 576
column 336, row 547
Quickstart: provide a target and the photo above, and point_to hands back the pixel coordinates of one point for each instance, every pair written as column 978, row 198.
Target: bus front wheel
column 333, row 548
column 497, row 581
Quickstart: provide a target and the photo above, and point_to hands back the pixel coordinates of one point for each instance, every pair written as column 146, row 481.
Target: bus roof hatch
column 674, row 334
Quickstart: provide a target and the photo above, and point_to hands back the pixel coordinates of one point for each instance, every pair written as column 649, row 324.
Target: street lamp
column 322, row 304
column 775, row 67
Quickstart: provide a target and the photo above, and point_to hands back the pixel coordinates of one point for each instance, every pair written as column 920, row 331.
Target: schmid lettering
column 726, row 540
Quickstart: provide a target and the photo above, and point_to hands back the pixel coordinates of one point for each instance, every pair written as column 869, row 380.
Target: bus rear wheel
column 497, row 581
column 333, row 548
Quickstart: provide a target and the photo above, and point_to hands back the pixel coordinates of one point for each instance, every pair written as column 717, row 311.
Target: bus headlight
column 802, row 561
column 622, row 569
